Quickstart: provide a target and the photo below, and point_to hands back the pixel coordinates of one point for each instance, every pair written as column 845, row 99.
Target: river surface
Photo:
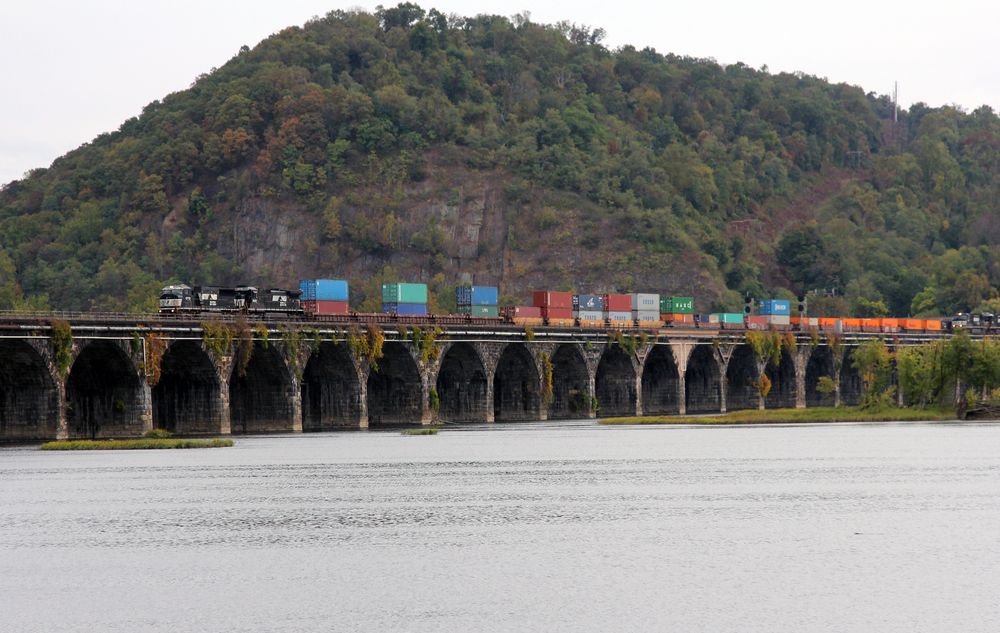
column 531, row 527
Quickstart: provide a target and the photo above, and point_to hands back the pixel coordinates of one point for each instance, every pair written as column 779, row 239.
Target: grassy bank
column 431, row 431
column 140, row 444
column 785, row 416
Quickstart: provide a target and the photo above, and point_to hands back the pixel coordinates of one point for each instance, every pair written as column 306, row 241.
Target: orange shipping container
column 932, row 325
column 889, row 322
column 827, row 323
column 913, row 324
column 678, row 318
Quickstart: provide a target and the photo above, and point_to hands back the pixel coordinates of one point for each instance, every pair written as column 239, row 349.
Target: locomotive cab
column 176, row 297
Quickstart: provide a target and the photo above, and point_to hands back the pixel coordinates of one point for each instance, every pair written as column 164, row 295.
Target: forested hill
column 407, row 145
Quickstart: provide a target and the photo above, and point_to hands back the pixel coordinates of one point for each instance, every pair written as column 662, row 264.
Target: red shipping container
column 325, row 307
column 550, row 299
column 526, row 311
column 617, row 303
column 552, row 312
column 757, row 322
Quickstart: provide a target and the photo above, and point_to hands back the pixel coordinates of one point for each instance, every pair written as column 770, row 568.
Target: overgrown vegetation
column 421, row 431
column 629, row 343
column 217, row 337
column 425, row 341
column 784, row 416
column 62, row 345
column 547, row 384
column 735, row 179
column 139, row 444
column 366, row 346
column 244, row 345
column 156, row 345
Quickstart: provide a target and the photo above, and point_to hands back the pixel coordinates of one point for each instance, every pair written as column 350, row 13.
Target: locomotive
column 185, row 299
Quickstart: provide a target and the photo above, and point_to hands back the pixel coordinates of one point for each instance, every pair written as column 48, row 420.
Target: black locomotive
column 182, row 298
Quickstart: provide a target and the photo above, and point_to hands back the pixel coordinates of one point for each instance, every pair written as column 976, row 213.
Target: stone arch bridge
column 120, row 377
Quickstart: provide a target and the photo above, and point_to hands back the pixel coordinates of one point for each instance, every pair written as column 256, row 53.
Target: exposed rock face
column 457, row 225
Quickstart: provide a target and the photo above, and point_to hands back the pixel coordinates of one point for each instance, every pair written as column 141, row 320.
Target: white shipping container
column 645, row 301
column 646, row 315
column 778, row 319
column 589, row 315
column 619, row 316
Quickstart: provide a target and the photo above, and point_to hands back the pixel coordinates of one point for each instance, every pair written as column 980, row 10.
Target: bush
column 158, row 434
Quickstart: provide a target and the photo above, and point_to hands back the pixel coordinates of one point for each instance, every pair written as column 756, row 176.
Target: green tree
column 873, row 362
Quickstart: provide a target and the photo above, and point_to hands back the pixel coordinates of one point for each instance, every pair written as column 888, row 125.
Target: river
column 544, row 527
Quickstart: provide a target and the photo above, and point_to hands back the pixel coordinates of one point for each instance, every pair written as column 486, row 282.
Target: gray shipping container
column 619, row 316
column 589, row 315
column 646, row 301
column 778, row 319
column 647, row 315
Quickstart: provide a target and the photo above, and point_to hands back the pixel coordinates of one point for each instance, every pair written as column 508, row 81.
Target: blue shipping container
column 476, row 296
column 408, row 309
column 588, row 302
column 779, row 307
column 324, row 290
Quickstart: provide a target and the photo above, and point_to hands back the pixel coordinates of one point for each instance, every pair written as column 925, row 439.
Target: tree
column 872, row 360
column 9, row 290
column 803, row 255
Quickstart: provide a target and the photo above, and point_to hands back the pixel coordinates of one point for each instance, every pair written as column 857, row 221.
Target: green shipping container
column 404, row 293
column 485, row 311
column 677, row 305
column 730, row 317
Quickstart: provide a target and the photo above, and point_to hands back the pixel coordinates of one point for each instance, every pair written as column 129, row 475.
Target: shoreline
column 816, row 415
column 136, row 444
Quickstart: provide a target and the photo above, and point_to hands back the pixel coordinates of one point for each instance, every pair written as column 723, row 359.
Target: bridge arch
column 188, row 397
column 104, row 395
column 331, row 389
column 395, row 391
column 516, row 386
column 260, row 397
column 741, row 380
column 820, row 364
column 461, row 385
column 851, row 389
column 29, row 399
column 659, row 382
column 702, row 381
column 570, row 383
column 615, row 383
column 782, row 376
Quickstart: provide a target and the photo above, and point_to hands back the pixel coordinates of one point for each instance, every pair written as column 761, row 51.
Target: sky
column 72, row 69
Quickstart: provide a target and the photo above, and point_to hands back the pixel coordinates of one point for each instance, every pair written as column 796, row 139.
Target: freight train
column 326, row 300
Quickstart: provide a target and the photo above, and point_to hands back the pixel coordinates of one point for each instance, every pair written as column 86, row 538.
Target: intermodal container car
column 404, row 293
column 320, row 307
column 324, row 290
column 589, row 303
column 476, row 295
column 779, row 307
column 645, row 302
column 617, row 303
column 405, row 309
column 552, row 299
column 477, row 310
column 552, row 312
column 676, row 305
